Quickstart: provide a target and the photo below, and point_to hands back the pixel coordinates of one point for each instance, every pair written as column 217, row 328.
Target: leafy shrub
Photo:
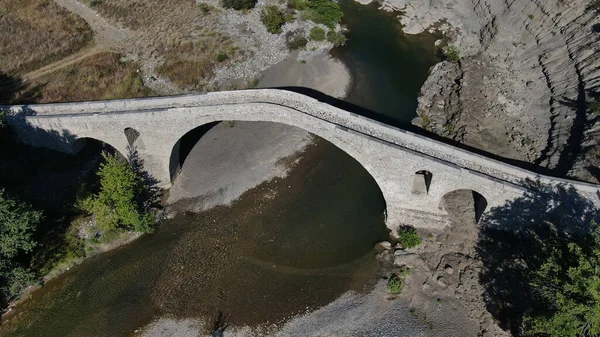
column 272, row 18
column 205, row 8
column 298, row 4
column 396, row 281
column 222, row 57
column 594, row 108
column 297, row 42
column 239, row 4
column 94, row 3
column 408, row 237
column 317, row 34
column 395, row 285
column 337, row 38
column 327, row 12
column 451, row 53
column 119, row 203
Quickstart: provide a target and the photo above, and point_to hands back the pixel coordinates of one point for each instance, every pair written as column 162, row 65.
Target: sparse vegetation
column 205, row 8
column 297, row 42
column 595, row 108
column 317, row 34
column 239, row 4
column 229, row 123
column 102, row 76
column 222, row 57
column 119, row 203
column 451, row 53
column 531, row 16
column 337, row 38
column 396, row 281
column 272, row 17
column 408, row 237
column 95, row 3
column 34, row 33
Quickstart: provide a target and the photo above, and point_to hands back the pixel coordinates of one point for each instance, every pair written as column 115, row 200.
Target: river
column 285, row 247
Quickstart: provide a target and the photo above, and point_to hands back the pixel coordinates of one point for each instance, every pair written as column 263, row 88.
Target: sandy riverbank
column 321, row 72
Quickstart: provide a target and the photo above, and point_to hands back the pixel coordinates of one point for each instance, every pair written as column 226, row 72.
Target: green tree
column 272, row 18
column 18, row 222
column 317, row 34
column 569, row 280
column 119, row 204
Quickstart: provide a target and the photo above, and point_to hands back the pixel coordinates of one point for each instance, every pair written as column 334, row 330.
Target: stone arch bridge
column 413, row 172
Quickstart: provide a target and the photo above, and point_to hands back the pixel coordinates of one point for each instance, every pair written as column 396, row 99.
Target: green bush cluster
column 408, row 237
column 337, row 38
column 272, row 17
column 396, row 282
column 327, row 12
column 451, row 53
column 119, row 203
column 239, row 4
column 317, row 34
column 297, row 42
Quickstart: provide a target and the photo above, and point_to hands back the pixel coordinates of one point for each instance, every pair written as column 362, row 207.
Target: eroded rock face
column 528, row 72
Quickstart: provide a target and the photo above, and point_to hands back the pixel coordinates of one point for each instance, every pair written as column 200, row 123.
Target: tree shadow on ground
column 151, row 194
column 517, row 238
column 13, row 90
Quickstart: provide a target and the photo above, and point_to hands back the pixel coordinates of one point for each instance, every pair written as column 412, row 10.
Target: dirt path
column 107, row 38
column 106, row 34
column 65, row 62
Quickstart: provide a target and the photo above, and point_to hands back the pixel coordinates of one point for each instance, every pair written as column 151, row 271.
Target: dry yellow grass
column 37, row 32
column 102, row 76
column 184, row 34
column 190, row 64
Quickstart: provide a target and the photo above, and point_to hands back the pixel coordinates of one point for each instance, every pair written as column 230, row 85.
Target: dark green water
column 285, row 246
column 388, row 67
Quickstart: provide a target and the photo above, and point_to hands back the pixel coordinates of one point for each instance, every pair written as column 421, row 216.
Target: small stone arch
column 461, row 202
column 93, row 144
column 134, row 139
column 421, row 182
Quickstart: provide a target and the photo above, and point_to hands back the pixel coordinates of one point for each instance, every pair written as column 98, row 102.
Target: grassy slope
column 34, row 33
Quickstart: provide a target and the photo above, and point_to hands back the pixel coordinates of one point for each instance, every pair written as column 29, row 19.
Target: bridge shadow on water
column 518, row 237
column 353, row 108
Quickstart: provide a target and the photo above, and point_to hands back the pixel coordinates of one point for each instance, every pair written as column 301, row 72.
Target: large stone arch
column 175, row 162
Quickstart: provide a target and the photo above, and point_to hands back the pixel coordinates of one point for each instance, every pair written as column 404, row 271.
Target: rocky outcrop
column 528, row 72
